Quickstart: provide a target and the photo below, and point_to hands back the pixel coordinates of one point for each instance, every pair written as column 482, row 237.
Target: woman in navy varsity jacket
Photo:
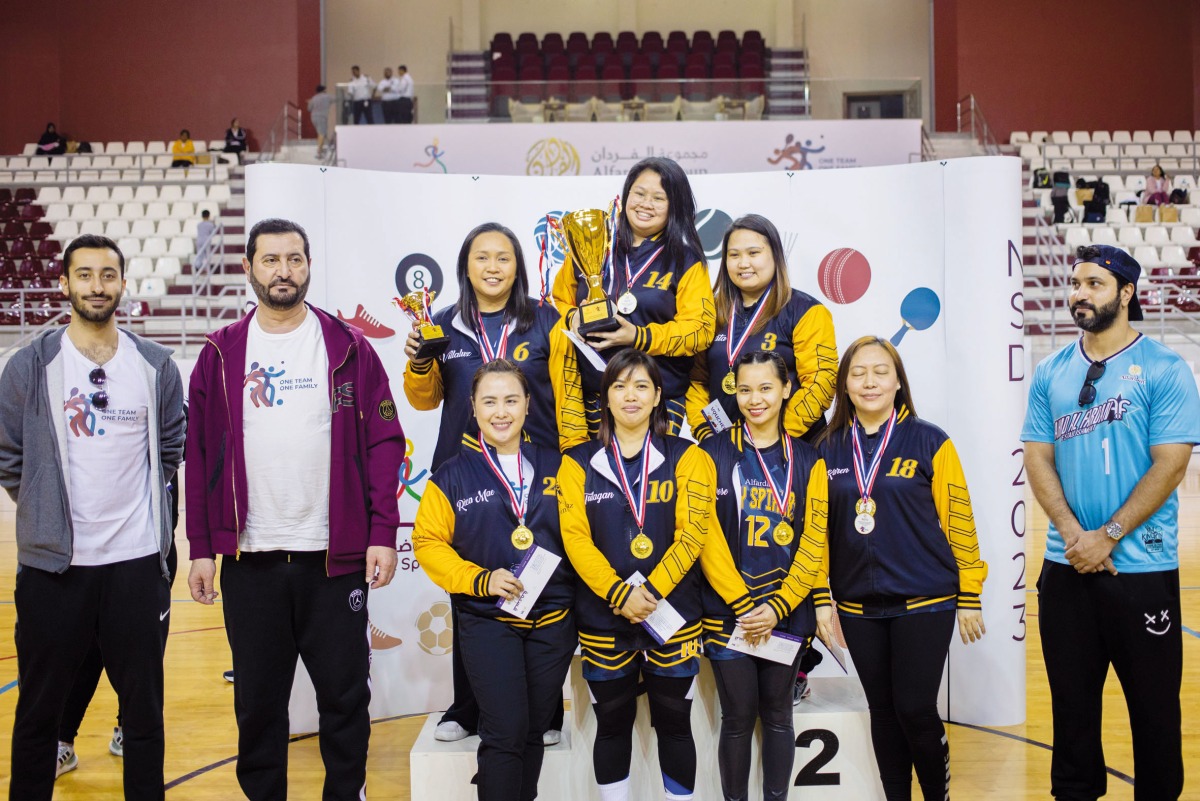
column 771, row 504
column 903, row 561
column 486, row 514
column 659, row 281
column 757, row 309
column 636, row 508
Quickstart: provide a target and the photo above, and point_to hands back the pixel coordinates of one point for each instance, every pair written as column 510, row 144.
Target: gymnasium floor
column 1009, row 764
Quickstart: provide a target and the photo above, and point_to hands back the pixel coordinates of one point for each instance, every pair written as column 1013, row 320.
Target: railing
column 1052, row 252
column 86, row 168
column 1125, row 156
column 286, row 128
column 971, row 119
column 208, row 262
column 927, row 151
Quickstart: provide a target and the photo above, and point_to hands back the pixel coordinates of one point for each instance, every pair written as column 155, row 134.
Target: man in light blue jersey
column 1108, row 434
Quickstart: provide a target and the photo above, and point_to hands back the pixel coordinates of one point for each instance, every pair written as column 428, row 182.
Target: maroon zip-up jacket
column 365, row 458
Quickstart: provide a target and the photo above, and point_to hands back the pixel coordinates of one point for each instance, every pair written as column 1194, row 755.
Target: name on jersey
column 596, row 497
column 483, row 496
column 838, row 471
column 1076, row 424
column 456, row 354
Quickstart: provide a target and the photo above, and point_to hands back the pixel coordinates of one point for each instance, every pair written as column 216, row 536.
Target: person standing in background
column 407, row 93
column 360, row 89
column 318, row 109
column 388, row 92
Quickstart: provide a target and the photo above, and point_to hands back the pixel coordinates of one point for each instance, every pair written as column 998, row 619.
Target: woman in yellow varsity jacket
column 757, row 309
column 494, row 318
column 636, row 508
column 771, row 503
column 903, row 561
column 487, row 514
column 658, row 279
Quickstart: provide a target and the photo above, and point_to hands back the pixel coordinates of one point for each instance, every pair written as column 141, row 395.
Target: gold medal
column 522, row 537
column 641, row 546
column 865, row 506
column 783, row 533
column 729, row 383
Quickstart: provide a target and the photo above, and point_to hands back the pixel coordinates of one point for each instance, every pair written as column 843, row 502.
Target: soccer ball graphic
column 435, row 633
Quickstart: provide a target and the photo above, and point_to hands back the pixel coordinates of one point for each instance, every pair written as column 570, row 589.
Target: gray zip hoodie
column 33, row 447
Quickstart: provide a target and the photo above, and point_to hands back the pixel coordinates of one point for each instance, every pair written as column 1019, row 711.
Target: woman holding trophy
column 516, row 655
column 636, row 507
column 494, row 318
column 771, row 506
column 657, row 293
column 757, row 310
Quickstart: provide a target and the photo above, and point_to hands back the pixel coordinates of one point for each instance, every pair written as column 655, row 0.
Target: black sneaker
column 800, row 690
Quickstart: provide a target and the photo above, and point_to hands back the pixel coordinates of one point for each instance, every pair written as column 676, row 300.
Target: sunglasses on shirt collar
column 1088, row 393
column 99, row 397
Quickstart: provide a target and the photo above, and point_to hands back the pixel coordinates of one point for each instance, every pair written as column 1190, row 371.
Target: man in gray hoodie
column 91, row 432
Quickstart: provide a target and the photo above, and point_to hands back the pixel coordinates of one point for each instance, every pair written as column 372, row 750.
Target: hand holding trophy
column 433, row 342
column 586, row 236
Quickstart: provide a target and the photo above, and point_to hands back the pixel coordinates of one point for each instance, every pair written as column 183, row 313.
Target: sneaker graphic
column 366, row 322
column 381, row 640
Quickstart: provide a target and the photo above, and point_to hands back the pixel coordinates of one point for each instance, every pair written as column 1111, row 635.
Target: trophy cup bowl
column 433, row 341
column 584, row 236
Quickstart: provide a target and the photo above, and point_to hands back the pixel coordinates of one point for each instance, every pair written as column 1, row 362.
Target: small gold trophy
column 584, row 235
column 433, row 341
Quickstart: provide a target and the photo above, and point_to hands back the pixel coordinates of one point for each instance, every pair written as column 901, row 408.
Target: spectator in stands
column 50, row 143
column 204, row 230
column 1158, row 188
column 235, row 139
column 182, row 149
column 406, row 95
column 318, row 109
column 388, row 92
column 360, row 89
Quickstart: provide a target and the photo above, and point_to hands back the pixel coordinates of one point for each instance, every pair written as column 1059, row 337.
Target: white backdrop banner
column 923, row 254
column 611, row 148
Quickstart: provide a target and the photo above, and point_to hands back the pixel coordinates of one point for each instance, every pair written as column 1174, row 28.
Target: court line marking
column 1111, row 771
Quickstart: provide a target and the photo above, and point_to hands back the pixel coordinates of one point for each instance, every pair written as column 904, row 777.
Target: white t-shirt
column 389, row 89
column 508, row 463
column 108, row 449
column 285, row 430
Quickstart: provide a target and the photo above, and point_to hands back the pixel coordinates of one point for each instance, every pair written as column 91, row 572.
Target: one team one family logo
column 262, row 390
column 81, row 418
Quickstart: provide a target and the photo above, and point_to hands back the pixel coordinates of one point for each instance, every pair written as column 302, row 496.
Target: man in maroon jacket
column 293, row 453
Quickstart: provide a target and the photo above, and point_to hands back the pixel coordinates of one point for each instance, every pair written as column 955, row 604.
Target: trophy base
column 597, row 317
column 431, row 347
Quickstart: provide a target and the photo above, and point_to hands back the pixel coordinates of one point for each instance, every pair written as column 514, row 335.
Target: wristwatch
column 1114, row 531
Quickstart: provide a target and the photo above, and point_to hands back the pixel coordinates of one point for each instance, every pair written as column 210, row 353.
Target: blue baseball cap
column 1120, row 263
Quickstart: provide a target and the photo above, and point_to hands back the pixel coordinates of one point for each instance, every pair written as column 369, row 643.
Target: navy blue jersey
column 923, row 554
column 464, row 526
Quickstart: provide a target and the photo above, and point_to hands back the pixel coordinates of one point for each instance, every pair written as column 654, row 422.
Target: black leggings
column 670, row 715
column 751, row 688
column 900, row 662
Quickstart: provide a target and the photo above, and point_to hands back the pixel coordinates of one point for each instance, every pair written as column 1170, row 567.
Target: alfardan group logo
column 552, row 157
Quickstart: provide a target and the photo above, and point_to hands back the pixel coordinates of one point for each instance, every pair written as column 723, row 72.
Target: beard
column 1102, row 317
column 81, row 307
column 293, row 297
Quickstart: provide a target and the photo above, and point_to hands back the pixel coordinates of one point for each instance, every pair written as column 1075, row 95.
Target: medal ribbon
column 733, row 352
column 866, row 477
column 782, row 499
column 638, row 508
column 489, row 353
column 425, row 303
column 520, row 503
column 631, row 277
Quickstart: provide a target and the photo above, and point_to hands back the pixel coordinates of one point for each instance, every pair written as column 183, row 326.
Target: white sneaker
column 551, row 737
column 67, row 761
column 449, row 731
column 116, row 746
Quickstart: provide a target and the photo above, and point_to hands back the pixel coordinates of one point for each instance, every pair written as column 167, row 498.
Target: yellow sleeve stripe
column 423, row 388
column 691, row 330
column 806, row 569
column 953, row 503
column 568, row 389
column 695, row 478
column 815, row 346
column 586, row 558
column 433, row 537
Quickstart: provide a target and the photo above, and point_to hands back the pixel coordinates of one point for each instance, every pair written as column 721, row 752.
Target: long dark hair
column 520, row 306
column 626, row 360
column 729, row 297
column 776, row 361
column 680, row 237
column 843, row 409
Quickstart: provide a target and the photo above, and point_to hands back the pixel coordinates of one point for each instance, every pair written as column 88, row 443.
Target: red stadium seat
column 20, row 248
column 612, row 85
column 14, row 229
column 727, row 36
column 725, row 81
column 49, row 248
column 753, row 81
column 584, row 87
column 25, row 195
column 696, row 83
column 53, row 269
column 558, row 81
column 5, row 195
column 557, row 60
column 668, row 86
column 724, row 58
column 502, row 42
column 640, row 60
column 8, row 268
column 677, row 36
column 8, row 211
column 603, row 50
column 552, row 44
column 532, row 87
column 640, row 82
column 698, row 60
column 527, row 42
column 29, row 268
column 10, row 300
column 627, row 40
column 31, row 212
column 577, row 40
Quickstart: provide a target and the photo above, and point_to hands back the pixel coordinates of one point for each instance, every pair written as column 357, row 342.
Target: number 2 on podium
column 810, row 775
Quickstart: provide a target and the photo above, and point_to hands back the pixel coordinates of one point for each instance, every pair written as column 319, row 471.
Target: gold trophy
column 584, row 235
column 433, row 341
